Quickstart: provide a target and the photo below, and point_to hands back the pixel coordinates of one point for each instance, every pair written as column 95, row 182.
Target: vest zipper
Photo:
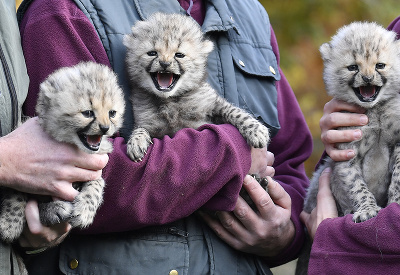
column 11, row 88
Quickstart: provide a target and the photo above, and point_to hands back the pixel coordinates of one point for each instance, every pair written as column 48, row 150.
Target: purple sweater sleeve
column 177, row 177
column 342, row 246
column 203, row 167
column 371, row 247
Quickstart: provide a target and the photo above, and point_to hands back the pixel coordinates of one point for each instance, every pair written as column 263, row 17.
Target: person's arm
column 177, row 176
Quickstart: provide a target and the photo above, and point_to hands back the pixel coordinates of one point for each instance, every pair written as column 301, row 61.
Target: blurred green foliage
column 301, row 26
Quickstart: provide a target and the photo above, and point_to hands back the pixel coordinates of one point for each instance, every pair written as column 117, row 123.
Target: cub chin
column 81, row 105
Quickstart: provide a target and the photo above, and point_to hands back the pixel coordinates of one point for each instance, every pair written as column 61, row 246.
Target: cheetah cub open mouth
column 92, row 142
column 164, row 81
column 367, row 93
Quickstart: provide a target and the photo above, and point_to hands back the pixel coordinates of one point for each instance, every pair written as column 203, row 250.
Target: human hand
column 326, row 206
column 261, row 162
column 264, row 233
column 31, row 161
column 333, row 118
column 35, row 235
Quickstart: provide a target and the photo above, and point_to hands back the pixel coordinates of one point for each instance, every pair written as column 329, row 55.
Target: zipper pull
column 178, row 232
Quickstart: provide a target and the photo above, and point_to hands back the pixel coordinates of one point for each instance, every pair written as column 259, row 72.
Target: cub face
column 361, row 64
column 81, row 105
column 167, row 54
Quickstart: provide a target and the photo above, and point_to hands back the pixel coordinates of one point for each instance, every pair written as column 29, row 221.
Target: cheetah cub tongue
column 165, row 79
column 92, row 142
column 368, row 93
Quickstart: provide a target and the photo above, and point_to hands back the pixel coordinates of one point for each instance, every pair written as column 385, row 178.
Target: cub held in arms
column 81, row 105
column 166, row 62
column 362, row 67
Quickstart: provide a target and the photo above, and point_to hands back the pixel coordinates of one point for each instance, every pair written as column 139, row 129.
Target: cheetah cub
column 166, row 62
column 81, row 105
column 362, row 67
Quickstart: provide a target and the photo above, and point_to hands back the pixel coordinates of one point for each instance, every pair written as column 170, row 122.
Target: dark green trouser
column 187, row 246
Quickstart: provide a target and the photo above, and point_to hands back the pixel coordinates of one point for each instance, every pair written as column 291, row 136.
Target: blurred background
column 301, row 26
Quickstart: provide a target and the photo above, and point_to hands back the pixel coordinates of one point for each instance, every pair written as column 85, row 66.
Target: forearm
column 366, row 246
column 176, row 177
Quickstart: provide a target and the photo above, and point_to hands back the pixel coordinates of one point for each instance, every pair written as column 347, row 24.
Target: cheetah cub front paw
column 138, row 143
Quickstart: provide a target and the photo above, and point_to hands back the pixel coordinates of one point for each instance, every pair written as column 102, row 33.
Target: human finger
column 32, row 217
column 304, row 217
column 37, row 235
column 338, row 119
column 90, row 161
column 75, row 174
column 64, row 190
column 335, row 136
column 235, row 225
column 326, row 206
column 259, row 161
column 270, row 170
column 231, row 224
column 222, row 224
column 270, row 158
column 278, row 195
column 335, row 105
column 264, row 201
column 325, row 200
column 339, row 155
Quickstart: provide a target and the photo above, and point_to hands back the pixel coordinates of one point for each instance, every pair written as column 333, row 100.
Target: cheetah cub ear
column 128, row 40
column 325, row 51
column 207, row 47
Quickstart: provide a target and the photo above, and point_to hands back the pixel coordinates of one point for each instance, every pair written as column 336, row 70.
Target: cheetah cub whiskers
column 166, row 61
column 362, row 67
column 81, row 105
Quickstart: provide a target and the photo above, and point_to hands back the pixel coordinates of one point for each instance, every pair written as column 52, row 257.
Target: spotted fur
column 81, row 105
column 362, row 67
column 166, row 61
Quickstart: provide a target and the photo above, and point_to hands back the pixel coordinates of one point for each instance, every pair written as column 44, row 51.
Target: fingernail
column 326, row 170
column 247, row 179
column 357, row 135
column 363, row 120
column 350, row 154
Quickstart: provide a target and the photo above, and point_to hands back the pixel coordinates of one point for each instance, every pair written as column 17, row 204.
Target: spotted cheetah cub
column 81, row 105
column 166, row 61
column 362, row 67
